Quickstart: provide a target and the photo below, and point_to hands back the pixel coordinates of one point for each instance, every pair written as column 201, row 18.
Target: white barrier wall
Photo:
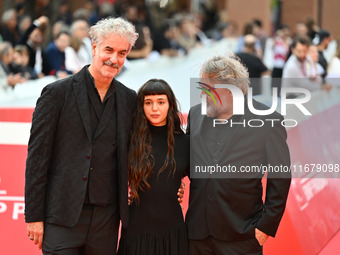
column 176, row 71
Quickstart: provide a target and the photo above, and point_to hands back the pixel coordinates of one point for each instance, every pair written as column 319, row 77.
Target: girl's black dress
column 156, row 225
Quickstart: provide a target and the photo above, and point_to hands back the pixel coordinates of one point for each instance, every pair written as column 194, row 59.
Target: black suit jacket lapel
column 80, row 92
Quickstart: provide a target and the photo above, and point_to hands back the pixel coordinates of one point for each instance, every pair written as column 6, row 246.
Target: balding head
column 249, row 41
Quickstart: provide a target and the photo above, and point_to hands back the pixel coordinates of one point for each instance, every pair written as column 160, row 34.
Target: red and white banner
column 14, row 133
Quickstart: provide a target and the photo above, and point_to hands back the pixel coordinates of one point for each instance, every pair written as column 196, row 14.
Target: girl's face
column 156, row 109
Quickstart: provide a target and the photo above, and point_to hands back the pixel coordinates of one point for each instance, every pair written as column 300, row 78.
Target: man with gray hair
column 79, row 30
column 76, row 189
column 7, row 78
column 79, row 52
column 226, row 213
column 9, row 30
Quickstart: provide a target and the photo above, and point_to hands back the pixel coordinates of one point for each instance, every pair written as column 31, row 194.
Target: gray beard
column 212, row 111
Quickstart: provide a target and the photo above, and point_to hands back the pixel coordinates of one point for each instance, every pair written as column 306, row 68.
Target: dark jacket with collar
column 60, row 148
column 229, row 207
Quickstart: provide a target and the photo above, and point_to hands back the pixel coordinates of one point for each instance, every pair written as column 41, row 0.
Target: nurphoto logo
column 207, row 88
column 238, row 103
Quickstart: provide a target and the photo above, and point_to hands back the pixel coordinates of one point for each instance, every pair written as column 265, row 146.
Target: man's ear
column 94, row 46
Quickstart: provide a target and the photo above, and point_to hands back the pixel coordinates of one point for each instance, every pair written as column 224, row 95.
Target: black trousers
column 212, row 246
column 96, row 233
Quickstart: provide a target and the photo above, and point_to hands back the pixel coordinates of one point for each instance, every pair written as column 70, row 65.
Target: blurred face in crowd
column 231, row 30
column 25, row 23
column 57, row 27
column 12, row 22
column 9, row 57
column 286, row 32
column 109, row 56
column 326, row 42
column 25, row 58
column 301, row 29
column 62, row 42
column 172, row 33
column 36, row 36
column 17, row 59
column 187, row 27
column 82, row 30
column 21, row 58
column 300, row 51
column 256, row 30
column 283, row 32
column 132, row 13
column 313, row 53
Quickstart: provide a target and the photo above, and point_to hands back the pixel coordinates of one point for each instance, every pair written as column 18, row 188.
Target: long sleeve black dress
column 156, row 225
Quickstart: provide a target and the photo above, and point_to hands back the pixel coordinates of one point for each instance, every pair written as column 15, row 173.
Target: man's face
column 300, row 51
column 217, row 109
column 109, row 55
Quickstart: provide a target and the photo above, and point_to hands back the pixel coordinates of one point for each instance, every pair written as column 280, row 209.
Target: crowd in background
column 32, row 48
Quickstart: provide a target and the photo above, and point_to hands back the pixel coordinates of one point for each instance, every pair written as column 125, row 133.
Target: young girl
column 158, row 160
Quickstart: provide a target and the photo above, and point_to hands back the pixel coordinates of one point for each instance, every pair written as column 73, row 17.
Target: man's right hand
column 35, row 232
column 261, row 237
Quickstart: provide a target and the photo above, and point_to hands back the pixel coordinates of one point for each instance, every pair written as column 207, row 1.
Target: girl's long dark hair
column 141, row 160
